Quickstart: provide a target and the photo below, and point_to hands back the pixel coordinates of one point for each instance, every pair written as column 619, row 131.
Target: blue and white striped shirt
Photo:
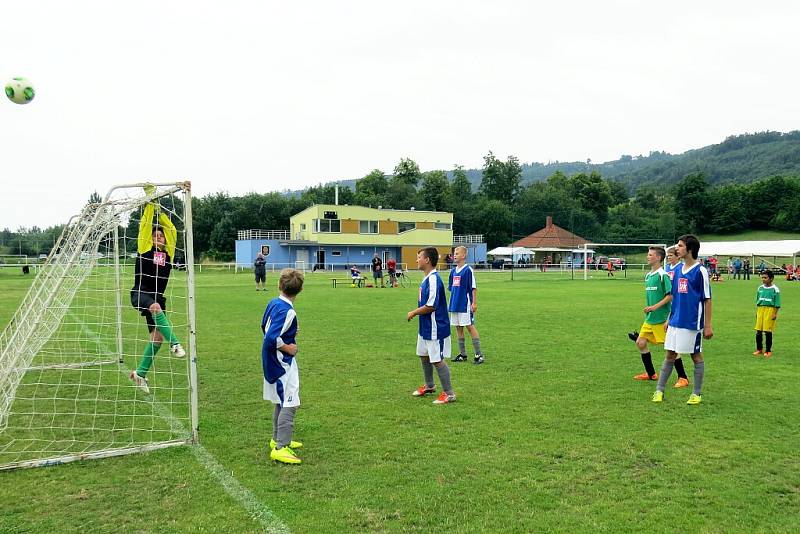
column 435, row 325
column 279, row 325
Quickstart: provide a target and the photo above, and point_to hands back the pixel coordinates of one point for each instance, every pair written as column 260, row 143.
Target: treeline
column 500, row 207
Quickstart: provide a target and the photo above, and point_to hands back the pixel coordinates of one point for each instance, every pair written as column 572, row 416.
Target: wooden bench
column 349, row 281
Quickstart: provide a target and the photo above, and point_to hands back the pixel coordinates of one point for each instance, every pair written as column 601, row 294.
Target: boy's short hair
column 660, row 252
column 769, row 274
column 692, row 244
column 460, row 247
column 432, row 254
column 291, row 282
column 671, row 250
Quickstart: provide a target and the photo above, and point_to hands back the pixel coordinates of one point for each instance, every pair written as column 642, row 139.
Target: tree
column 646, row 197
column 95, row 198
column 495, row 217
column 460, row 200
column 501, row 180
column 371, row 189
column 726, row 210
column 593, row 193
column 326, row 194
column 774, row 194
column 401, row 195
column 618, row 192
column 435, row 190
column 553, row 198
column 206, row 212
column 223, row 238
column 407, row 171
column 691, row 197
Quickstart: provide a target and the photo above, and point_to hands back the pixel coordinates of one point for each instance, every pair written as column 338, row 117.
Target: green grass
column 550, row 434
column 750, row 235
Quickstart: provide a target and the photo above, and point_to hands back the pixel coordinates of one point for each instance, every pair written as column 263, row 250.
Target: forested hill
column 738, row 159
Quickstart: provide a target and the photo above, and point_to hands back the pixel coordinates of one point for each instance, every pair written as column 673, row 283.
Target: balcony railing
column 281, row 235
column 467, row 239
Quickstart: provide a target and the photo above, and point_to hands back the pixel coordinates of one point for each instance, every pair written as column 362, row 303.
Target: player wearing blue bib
column 279, row 366
column 690, row 320
column 433, row 340
column 674, row 263
column 463, row 305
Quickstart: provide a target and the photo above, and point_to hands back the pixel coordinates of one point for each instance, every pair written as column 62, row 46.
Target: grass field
column 551, row 434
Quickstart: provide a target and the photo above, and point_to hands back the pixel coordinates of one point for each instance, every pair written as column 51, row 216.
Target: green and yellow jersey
column 657, row 285
column 768, row 296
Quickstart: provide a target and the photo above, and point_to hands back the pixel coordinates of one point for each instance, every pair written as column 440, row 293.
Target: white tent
column 510, row 251
column 784, row 248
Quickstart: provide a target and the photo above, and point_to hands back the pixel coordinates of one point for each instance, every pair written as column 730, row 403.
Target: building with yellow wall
column 331, row 236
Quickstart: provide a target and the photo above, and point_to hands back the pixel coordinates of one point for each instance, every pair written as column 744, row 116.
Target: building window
column 406, row 226
column 368, row 227
column 327, row 226
column 336, row 253
column 302, row 226
column 442, row 226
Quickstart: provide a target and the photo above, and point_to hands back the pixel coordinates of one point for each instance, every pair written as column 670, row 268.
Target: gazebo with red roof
column 553, row 241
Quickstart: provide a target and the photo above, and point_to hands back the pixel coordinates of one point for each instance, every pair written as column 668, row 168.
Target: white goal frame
column 587, row 246
column 35, row 309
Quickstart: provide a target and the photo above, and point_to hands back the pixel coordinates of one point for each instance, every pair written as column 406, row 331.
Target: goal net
column 67, row 354
column 615, row 260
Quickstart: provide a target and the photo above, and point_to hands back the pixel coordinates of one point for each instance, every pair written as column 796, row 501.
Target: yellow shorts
column 654, row 333
column 764, row 318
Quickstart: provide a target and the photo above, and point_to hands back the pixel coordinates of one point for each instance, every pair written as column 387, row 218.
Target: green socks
column 162, row 323
column 147, row 358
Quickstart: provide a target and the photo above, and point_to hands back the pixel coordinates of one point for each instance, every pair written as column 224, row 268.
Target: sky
column 259, row 96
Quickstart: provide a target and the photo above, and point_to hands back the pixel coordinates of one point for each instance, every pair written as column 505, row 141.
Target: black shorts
column 142, row 301
column 377, row 274
column 261, row 277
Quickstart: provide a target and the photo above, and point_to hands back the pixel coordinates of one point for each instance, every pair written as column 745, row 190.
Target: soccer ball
column 20, row 91
column 352, row 285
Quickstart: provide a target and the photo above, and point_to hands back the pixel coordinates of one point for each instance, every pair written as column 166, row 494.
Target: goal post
column 67, row 352
column 587, row 246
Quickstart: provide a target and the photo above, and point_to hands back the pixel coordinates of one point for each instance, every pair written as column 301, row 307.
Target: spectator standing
column 377, row 270
column 260, row 271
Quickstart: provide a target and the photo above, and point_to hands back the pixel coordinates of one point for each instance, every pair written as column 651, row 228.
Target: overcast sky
column 264, row 96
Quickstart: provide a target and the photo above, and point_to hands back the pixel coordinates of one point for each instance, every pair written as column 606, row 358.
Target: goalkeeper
column 154, row 262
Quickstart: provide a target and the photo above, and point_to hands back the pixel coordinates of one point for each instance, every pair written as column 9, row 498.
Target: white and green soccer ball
column 20, row 90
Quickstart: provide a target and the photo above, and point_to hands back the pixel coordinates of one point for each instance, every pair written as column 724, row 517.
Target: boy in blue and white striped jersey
column 690, row 319
column 463, row 305
column 433, row 340
column 279, row 365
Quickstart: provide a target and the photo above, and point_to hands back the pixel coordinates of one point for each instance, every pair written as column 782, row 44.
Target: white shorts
column 462, row 318
column 683, row 341
column 286, row 390
column 435, row 349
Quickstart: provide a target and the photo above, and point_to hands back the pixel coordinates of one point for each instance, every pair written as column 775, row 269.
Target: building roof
column 783, row 248
column 551, row 237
